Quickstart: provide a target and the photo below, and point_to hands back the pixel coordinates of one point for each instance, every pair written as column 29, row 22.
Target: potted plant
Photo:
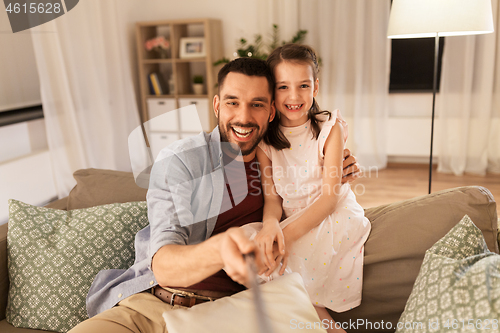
column 198, row 85
column 261, row 47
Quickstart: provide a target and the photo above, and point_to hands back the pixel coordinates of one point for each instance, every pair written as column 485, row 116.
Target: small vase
column 198, row 88
column 171, row 86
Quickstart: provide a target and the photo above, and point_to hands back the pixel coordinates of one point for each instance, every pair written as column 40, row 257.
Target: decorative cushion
column 96, row 187
column 54, row 255
column 401, row 233
column 458, row 286
column 287, row 305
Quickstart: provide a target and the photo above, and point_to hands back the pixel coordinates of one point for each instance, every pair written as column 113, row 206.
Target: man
column 195, row 202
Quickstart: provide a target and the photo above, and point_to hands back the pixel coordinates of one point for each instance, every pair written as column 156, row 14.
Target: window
column 412, row 64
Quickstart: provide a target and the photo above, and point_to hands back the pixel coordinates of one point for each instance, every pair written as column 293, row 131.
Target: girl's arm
column 271, row 230
column 330, row 190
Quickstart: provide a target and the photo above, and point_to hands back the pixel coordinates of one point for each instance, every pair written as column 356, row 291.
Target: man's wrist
column 216, row 247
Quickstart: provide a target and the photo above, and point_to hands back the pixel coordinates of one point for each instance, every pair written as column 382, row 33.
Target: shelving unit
column 170, row 126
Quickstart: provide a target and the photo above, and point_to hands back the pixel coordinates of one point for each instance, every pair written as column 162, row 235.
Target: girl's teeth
column 295, row 107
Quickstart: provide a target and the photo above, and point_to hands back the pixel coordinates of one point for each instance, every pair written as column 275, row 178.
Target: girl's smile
column 294, row 107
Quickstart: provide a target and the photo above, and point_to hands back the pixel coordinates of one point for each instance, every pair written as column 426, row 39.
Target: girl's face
column 295, row 90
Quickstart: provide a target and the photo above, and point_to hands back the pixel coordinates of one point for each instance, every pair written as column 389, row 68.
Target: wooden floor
column 404, row 181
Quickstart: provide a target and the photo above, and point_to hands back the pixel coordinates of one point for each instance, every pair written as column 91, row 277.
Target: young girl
column 325, row 229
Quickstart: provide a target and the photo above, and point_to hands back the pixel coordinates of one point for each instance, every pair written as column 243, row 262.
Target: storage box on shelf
column 194, row 46
column 171, row 120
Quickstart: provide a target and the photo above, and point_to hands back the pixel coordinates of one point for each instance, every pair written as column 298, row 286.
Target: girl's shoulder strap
column 338, row 116
column 327, row 127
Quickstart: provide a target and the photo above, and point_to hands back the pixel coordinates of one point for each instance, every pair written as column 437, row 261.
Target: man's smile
column 242, row 133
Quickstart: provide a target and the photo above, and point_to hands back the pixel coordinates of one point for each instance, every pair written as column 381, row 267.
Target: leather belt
column 179, row 298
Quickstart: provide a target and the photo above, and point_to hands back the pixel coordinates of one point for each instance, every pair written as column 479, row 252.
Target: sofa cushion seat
column 5, row 327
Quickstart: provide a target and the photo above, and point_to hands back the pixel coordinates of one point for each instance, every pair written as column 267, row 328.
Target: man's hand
column 233, row 246
column 350, row 167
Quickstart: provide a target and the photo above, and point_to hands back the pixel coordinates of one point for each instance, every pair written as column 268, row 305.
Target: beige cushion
column 95, row 187
column 286, row 300
column 401, row 233
column 59, row 204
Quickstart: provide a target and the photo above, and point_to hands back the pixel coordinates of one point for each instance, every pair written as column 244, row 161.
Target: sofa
column 401, row 233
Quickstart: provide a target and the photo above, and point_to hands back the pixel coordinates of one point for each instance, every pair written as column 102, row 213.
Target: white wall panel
column 28, row 179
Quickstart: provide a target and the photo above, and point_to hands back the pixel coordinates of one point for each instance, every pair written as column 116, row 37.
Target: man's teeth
column 294, row 107
column 242, row 133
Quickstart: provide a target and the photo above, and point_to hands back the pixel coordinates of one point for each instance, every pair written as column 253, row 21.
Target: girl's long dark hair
column 300, row 54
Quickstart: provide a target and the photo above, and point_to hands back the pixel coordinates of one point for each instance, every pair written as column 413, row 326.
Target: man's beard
column 224, row 136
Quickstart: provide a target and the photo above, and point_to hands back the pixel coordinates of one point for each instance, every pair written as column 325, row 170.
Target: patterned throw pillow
column 458, row 287
column 54, row 255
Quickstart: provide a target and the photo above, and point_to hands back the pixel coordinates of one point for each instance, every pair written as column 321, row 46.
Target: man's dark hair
column 247, row 66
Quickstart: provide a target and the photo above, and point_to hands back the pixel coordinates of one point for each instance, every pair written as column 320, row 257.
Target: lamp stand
column 434, row 88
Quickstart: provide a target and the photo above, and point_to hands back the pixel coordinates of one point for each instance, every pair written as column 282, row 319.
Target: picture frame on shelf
column 192, row 47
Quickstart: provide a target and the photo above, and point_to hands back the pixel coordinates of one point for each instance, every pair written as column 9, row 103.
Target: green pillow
column 458, row 287
column 54, row 255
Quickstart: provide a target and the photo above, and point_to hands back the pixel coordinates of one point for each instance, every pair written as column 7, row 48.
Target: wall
column 22, row 139
column 25, row 167
column 19, row 85
column 409, row 128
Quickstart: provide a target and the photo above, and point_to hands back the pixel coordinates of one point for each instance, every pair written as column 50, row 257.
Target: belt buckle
column 176, row 294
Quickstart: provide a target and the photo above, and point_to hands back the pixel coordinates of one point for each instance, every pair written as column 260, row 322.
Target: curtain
column 351, row 39
column 86, row 88
column 468, row 105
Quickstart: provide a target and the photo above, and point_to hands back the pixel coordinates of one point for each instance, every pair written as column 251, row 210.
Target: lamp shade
column 425, row 18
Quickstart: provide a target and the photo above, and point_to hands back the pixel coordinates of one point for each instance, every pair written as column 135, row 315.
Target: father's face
column 244, row 108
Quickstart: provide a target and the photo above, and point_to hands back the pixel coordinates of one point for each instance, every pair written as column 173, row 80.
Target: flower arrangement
column 158, row 44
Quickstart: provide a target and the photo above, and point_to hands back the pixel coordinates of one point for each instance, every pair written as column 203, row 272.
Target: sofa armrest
column 4, row 275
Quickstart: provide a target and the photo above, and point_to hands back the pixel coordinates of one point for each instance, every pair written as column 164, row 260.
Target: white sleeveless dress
column 329, row 257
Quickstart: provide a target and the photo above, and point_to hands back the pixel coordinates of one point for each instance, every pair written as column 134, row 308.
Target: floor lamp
column 438, row 18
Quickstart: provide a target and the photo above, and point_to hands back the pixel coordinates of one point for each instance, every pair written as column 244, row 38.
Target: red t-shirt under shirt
column 250, row 209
